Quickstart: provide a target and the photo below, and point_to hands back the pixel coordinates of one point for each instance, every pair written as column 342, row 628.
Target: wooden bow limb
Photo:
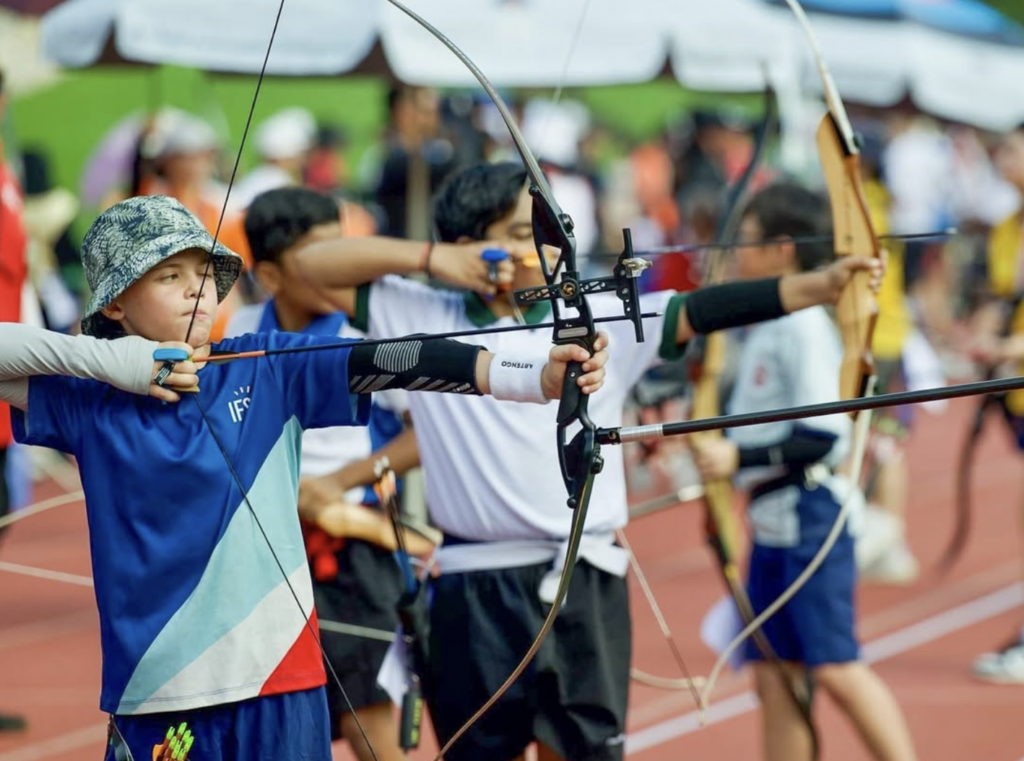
column 857, row 309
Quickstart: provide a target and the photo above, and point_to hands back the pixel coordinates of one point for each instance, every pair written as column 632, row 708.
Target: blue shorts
column 816, row 627
column 292, row 726
column 1016, row 424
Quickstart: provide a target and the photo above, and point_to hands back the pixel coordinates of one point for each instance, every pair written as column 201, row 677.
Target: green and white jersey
column 491, row 466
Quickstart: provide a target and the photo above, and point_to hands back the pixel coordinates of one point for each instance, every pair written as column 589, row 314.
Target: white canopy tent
column 715, row 45
column 879, row 62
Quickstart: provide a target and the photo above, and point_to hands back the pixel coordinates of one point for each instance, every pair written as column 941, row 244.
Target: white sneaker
column 897, row 566
column 1004, row 667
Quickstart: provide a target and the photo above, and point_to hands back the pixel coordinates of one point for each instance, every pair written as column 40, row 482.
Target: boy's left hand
column 593, row 367
column 716, row 458
column 838, row 273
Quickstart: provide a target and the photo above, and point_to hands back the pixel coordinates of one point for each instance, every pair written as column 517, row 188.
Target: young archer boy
column 492, row 476
column 794, row 496
column 199, row 620
column 355, row 582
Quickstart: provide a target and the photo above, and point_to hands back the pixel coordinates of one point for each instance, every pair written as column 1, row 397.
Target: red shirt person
column 13, row 271
column 13, row 266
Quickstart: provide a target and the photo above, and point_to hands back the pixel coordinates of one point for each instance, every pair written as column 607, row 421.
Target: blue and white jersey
column 194, row 610
column 326, row 450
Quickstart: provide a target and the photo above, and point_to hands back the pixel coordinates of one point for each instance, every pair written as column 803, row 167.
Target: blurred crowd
column 671, row 190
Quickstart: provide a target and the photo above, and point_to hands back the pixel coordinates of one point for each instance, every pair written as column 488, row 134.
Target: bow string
column 306, row 616
column 578, row 454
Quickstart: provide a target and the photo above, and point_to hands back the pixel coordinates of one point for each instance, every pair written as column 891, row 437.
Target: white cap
column 176, row 132
column 286, row 134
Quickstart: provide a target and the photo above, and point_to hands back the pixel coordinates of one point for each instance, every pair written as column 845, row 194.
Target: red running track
column 922, row 638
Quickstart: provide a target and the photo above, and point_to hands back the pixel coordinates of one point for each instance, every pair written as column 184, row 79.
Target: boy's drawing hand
column 593, row 367
column 183, row 378
column 460, row 265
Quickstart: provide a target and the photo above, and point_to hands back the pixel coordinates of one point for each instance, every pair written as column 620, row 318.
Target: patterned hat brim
column 227, row 266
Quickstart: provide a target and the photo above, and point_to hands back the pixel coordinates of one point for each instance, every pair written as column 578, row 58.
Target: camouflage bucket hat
column 130, row 238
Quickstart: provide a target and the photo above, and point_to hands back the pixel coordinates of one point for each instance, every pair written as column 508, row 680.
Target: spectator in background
column 182, row 150
column 459, row 117
column 882, row 553
column 417, row 158
column 54, row 267
column 326, row 171
column 283, row 142
column 1000, row 339
column 13, row 271
column 919, row 171
column 554, row 131
column 66, row 251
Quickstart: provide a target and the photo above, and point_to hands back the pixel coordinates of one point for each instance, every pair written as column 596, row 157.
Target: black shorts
column 573, row 696
column 364, row 594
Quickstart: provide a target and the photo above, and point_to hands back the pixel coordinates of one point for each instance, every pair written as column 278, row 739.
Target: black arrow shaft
column 625, row 435
column 402, row 339
column 688, row 248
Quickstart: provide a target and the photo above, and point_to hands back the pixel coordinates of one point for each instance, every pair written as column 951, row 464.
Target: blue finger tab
column 170, row 355
column 494, row 255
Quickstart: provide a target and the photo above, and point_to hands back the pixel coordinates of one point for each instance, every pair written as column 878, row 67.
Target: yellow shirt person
column 1006, row 279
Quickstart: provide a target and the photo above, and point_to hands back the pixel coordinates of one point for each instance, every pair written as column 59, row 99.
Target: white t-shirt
column 491, row 466
column 326, row 450
column 787, row 362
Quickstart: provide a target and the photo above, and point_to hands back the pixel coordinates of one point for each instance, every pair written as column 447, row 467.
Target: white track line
column 45, row 573
column 899, row 641
column 41, row 507
column 93, row 736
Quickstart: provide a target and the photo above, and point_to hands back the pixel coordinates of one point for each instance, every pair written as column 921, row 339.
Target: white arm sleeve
column 125, row 363
column 15, row 393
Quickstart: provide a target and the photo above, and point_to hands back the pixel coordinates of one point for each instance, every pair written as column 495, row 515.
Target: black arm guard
column 444, row 366
column 730, row 305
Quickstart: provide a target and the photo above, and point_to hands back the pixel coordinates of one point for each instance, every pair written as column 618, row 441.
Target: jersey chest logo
column 238, row 406
column 760, row 375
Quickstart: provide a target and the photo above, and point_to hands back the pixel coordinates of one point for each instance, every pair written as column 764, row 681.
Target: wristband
column 517, row 377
